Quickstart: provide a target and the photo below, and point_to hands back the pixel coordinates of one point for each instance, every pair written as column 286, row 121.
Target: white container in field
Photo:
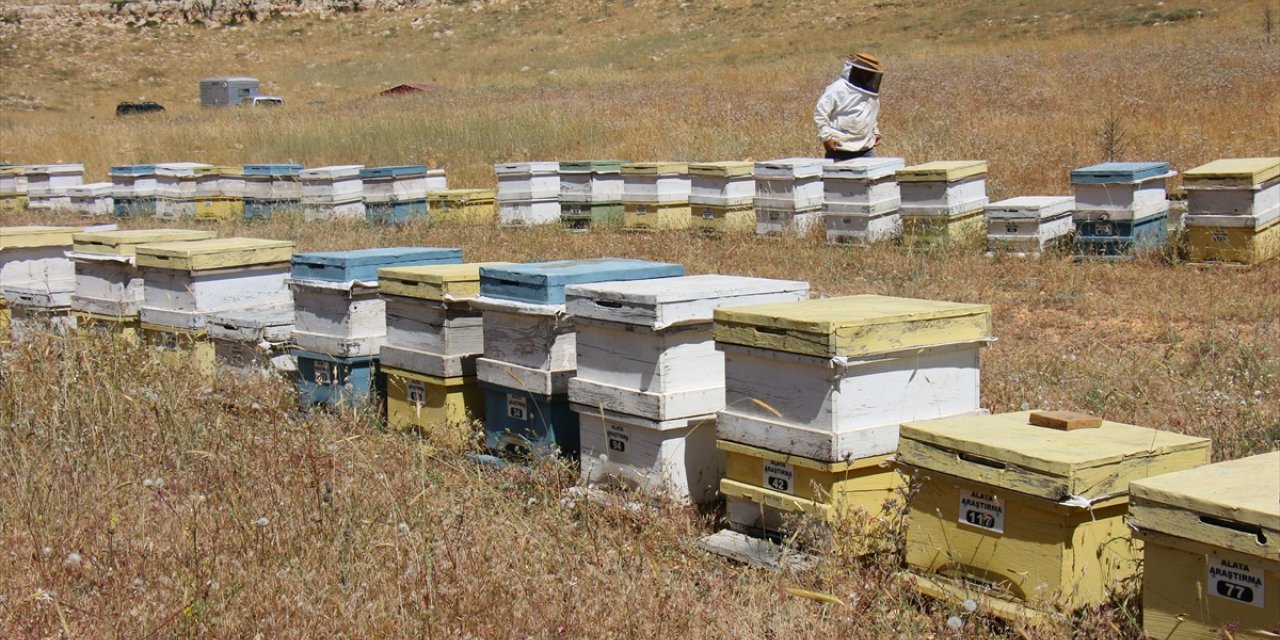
column 176, row 189
column 655, row 182
column 523, row 181
column 33, row 255
column 333, row 211
column 790, row 184
column 830, row 379
column 722, row 184
column 219, row 182
column 107, row 282
column 862, row 186
column 92, row 200
column 1028, row 224
column 527, row 213
column 1121, row 190
column 43, row 306
column 187, row 282
column 943, row 188
column 335, row 192
column 134, row 181
column 526, row 334
column 858, row 228
column 247, row 340
column 677, row 459
column 343, row 319
column 405, row 183
column 645, row 347
column 47, row 184
column 785, row 222
column 436, row 180
column 1234, row 186
column 591, row 181
column 13, row 180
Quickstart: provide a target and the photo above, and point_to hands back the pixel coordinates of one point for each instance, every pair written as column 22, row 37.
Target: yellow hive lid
column 12, row 170
column 1008, row 452
column 30, row 237
column 727, row 168
column 852, row 325
column 1243, row 495
column 1233, row 172
column 218, row 171
column 123, row 243
column 433, row 282
column 215, row 253
column 942, row 171
column 462, row 195
column 653, row 168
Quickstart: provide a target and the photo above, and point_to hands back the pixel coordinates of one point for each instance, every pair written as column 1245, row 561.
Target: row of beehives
column 1119, row 209
column 693, row 387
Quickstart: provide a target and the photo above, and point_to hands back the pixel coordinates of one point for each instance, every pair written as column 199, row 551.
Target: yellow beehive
column 421, row 402
column 1211, row 540
column 219, row 193
column 723, row 219
column 654, row 168
column 124, row 242
column 33, row 237
column 778, row 482
column 12, row 203
column 462, row 207
column 441, row 282
column 942, row 171
column 213, row 208
column 183, row 347
column 966, row 226
column 1010, row 513
column 128, row 329
column 656, row 216
column 5, row 315
column 214, row 253
column 1241, row 245
column 1233, row 172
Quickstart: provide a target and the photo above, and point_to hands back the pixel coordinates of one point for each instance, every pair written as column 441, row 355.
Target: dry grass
column 372, row 534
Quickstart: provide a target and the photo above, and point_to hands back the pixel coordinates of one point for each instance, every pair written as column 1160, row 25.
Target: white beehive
column 13, row 180
column 332, row 192
column 856, row 228
column 248, row 339
column 47, row 184
column 44, row 306
column 526, row 181
column 219, row 182
column 107, row 282
column 943, row 188
column 655, row 182
column 862, row 186
column 722, row 184
column 176, row 189
column 677, row 459
column 526, row 345
column 786, row 222
column 790, row 184
column 591, row 181
column 436, row 180
column 394, row 184
column 33, row 255
column 187, row 282
column 343, row 319
column 1028, row 224
column 1121, row 190
column 91, row 200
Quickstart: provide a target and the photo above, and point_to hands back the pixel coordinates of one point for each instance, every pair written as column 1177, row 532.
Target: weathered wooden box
column 421, row 402
column 931, row 230
column 128, row 329
column 247, row 340
column 662, row 216
column 862, row 186
column 108, row 283
column 1211, row 546
column 722, row 184
column 764, row 488
column 1121, row 239
column 1020, row 513
column 337, row 382
column 534, row 336
column 853, row 228
column 364, row 265
column 31, row 255
column 462, row 207
column 723, row 219
column 523, row 181
column 134, row 190
column 219, row 193
column 785, row 222
column 47, row 184
column 1028, row 224
column 524, row 213
column 92, row 200
column 1120, row 190
column 830, row 379
column 176, row 189
column 790, row 184
column 333, row 192
column 271, row 189
column 182, row 347
column 1254, row 242
column 396, row 212
column 186, row 282
column 394, row 184
column 13, row 180
column 431, row 326
column 655, row 183
column 39, row 307
column 1238, row 186
column 544, row 283
column 585, row 215
column 645, row 347
column 591, row 181
column 523, row 423
column 676, row 459
column 944, row 188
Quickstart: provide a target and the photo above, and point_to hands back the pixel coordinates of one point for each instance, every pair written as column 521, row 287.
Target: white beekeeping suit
column 847, row 112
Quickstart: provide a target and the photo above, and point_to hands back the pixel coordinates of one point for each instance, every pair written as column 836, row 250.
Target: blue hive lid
column 272, row 169
column 133, row 169
column 544, row 282
column 381, row 256
column 400, row 171
column 1109, row 172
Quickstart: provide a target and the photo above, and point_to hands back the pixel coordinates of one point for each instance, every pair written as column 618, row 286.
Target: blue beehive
column 393, row 212
column 333, row 381
column 399, row 171
column 520, row 422
column 363, row 264
column 1120, row 239
column 127, row 200
column 1118, row 172
column 278, row 189
column 544, row 282
column 272, row 169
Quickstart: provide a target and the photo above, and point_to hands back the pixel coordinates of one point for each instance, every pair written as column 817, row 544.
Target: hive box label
column 417, row 393
column 1236, row 580
column 779, row 476
column 618, row 439
column 982, row 510
column 517, row 408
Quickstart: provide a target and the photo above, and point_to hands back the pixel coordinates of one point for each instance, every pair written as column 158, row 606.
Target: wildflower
column 969, row 605
column 262, row 522
column 403, row 528
column 954, row 623
column 72, row 561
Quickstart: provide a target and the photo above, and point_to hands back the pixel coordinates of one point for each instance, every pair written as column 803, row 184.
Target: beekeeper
column 847, row 112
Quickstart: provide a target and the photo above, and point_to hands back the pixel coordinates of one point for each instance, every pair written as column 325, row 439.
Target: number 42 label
column 982, row 510
column 1236, row 580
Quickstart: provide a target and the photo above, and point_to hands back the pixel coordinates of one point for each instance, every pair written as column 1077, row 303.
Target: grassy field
column 141, row 501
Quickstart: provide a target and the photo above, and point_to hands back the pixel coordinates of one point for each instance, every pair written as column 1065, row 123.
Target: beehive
column 47, row 184
column 107, row 282
column 790, row 184
column 421, row 402
column 943, row 189
column 249, row 339
column 133, row 189
column 1252, row 242
column 219, row 193
column 722, row 184
column 862, row 229
column 655, row 183
column 520, row 422
column 764, row 488
column 176, row 189
column 1211, row 541
column 675, row 458
column 585, row 215
column 271, row 189
column 332, row 192
column 338, row 311
column 13, row 182
column 324, row 380
column 591, row 182
column 526, row 181
column 395, row 194
column 1021, row 513
column 862, row 186
column 787, row 223
column 1028, row 224
column 830, row 379
column 39, row 307
column 462, row 207
column 127, row 328
column 186, row 282
column 33, row 255
column 645, row 347
column 92, row 200
column 718, row 219
column 1120, row 190
column 1233, row 210
column 661, row 216
column 182, row 347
